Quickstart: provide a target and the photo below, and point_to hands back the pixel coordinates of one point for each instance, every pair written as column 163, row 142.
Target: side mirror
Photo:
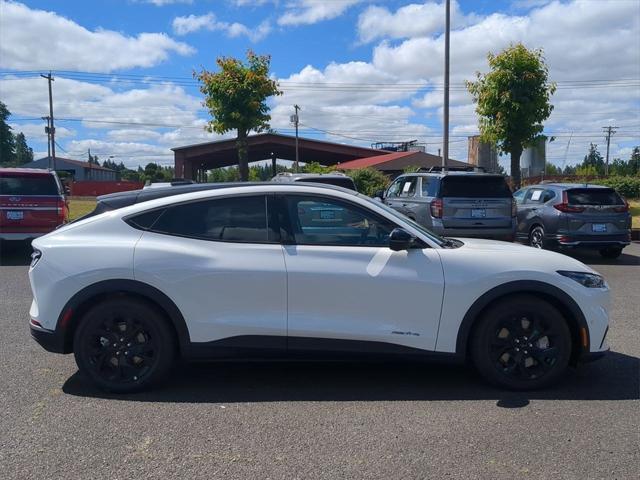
column 67, row 190
column 379, row 194
column 400, row 239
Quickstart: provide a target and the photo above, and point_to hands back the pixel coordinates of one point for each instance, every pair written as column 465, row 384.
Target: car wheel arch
column 92, row 294
column 545, row 291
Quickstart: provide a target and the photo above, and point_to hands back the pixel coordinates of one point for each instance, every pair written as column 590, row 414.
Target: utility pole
column 47, row 130
column 609, row 131
column 445, row 137
column 296, row 119
column 90, row 162
column 52, row 128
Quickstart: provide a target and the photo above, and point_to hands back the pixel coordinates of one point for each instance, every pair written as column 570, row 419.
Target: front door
column 347, row 290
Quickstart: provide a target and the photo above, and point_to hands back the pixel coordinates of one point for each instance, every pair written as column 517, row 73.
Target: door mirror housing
column 379, row 194
column 400, row 239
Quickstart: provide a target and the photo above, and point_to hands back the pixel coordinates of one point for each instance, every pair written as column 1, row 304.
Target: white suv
column 284, row 269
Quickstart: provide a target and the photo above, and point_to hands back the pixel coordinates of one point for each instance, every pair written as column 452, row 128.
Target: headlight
column 35, row 256
column 589, row 280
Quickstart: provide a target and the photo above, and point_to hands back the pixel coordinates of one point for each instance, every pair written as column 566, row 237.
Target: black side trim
column 262, row 346
column 108, row 287
column 521, row 286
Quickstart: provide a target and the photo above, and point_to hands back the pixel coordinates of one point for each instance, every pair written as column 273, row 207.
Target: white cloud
column 307, row 12
column 413, row 20
column 162, row 3
column 193, row 23
column 36, row 39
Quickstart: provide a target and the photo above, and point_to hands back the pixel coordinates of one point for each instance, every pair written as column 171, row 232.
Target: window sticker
column 406, row 187
column 536, row 195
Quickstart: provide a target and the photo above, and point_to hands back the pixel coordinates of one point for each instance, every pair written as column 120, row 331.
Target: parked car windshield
column 476, row 186
column 28, row 185
column 593, row 196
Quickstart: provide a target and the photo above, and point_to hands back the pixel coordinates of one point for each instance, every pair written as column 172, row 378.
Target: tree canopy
column 236, row 97
column 512, row 101
column 7, row 140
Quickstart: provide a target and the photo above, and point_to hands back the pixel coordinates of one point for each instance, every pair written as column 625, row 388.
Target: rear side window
column 28, row 185
column 593, row 196
column 233, row 219
column 145, row 221
column 338, row 182
column 429, row 186
column 474, row 186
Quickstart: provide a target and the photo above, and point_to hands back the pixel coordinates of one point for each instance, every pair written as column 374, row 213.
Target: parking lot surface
column 283, row 420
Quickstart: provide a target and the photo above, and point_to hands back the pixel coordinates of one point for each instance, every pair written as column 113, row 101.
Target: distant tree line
column 594, row 164
column 14, row 150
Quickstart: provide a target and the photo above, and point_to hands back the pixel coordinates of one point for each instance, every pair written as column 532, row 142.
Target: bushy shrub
column 628, row 187
column 368, row 180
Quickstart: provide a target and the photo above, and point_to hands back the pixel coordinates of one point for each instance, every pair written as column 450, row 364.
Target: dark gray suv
column 456, row 203
column 573, row 215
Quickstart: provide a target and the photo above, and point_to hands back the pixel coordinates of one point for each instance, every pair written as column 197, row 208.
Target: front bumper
column 51, row 341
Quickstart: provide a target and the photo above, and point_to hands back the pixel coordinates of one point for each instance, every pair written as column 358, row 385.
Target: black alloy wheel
column 123, row 345
column 522, row 343
column 536, row 237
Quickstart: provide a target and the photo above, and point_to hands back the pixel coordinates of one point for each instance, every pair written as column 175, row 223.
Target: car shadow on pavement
column 615, row 377
column 592, row 257
column 15, row 253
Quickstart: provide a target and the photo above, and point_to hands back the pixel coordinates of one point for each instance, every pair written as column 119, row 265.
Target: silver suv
column 456, row 203
column 573, row 215
column 334, row 178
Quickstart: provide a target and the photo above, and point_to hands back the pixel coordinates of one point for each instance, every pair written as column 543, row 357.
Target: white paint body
column 416, row 298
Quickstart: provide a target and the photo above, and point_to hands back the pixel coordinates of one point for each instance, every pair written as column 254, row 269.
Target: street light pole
column 445, row 137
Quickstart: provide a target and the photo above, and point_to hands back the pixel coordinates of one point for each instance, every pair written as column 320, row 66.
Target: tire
column 504, row 353
column 611, row 252
column 536, row 237
column 124, row 345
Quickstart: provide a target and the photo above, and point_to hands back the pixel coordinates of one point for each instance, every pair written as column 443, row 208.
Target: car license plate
column 327, row 214
column 598, row 227
column 15, row 215
column 478, row 212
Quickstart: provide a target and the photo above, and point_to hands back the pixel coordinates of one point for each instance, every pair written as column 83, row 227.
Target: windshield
column 441, row 241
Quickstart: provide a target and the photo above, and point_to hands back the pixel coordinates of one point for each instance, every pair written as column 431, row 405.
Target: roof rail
column 181, row 181
column 440, row 168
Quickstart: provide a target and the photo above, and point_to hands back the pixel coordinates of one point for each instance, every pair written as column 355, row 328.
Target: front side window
column 232, row 219
column 519, row 195
column 327, row 221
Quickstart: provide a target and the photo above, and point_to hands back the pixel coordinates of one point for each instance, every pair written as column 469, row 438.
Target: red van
column 32, row 203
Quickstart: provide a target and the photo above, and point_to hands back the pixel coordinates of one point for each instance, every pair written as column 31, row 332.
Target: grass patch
column 635, row 213
column 80, row 206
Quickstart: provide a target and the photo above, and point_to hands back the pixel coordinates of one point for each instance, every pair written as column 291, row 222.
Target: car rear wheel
column 536, row 237
column 124, row 345
column 611, row 252
column 521, row 343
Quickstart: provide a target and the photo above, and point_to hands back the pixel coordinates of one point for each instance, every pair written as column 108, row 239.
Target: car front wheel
column 124, row 345
column 521, row 343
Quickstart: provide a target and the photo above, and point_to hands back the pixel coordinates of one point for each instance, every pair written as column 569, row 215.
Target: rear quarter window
column 27, row 185
column 474, row 186
column 594, row 196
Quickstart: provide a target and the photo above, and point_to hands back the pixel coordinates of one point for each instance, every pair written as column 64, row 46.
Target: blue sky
column 123, row 69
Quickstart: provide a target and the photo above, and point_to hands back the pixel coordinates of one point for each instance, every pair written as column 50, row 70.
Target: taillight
column 565, row 207
column 514, row 208
column 623, row 208
column 61, row 208
column 436, row 208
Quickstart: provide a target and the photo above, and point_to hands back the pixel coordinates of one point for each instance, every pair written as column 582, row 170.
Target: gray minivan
column 456, row 203
column 573, row 215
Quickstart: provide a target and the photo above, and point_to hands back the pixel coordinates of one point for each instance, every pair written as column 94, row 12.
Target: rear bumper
column 501, row 233
column 51, row 341
column 591, row 241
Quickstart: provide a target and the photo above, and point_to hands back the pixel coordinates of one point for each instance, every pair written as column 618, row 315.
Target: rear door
column 600, row 212
column 475, row 201
column 30, row 203
column 402, row 195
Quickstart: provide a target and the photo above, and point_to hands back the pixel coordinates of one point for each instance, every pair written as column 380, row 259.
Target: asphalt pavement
column 279, row 420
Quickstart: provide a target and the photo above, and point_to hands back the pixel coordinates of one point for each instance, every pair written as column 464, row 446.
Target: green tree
column 7, row 140
column 634, row 161
column 551, row 169
column 24, row 153
column 593, row 160
column 236, row 97
column 368, row 180
column 513, row 100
